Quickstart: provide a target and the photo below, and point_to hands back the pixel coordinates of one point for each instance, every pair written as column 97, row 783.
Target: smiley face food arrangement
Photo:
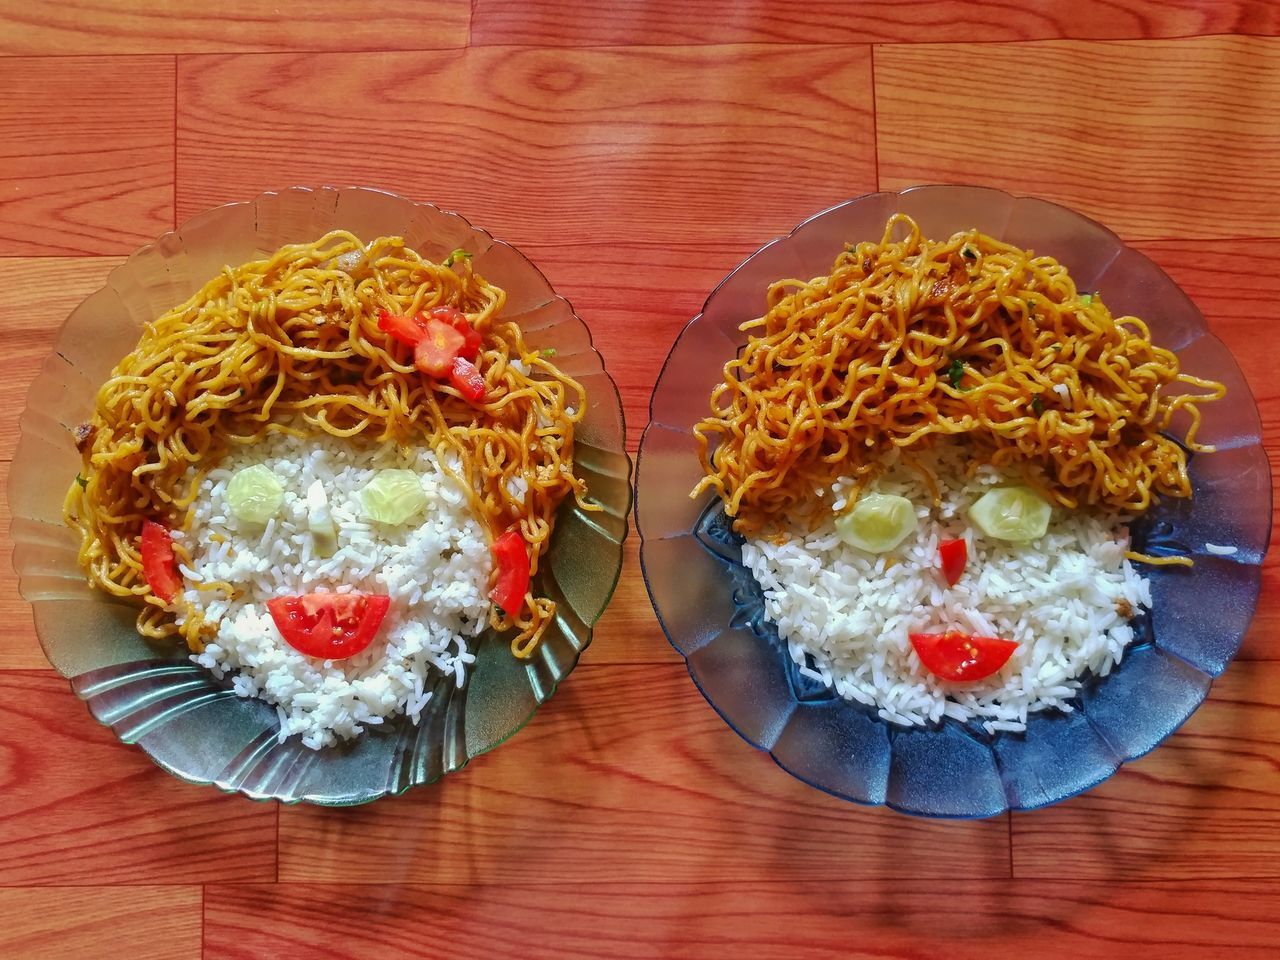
column 327, row 474
column 933, row 455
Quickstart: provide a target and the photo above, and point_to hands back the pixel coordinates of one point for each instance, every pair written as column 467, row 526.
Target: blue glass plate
column 712, row 609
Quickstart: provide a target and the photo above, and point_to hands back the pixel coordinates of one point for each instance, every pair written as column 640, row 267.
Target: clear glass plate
column 193, row 725
column 712, row 610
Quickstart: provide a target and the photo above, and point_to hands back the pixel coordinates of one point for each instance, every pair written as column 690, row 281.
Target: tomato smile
column 329, row 626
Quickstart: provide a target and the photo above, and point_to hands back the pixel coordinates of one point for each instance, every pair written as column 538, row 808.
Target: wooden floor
column 636, row 154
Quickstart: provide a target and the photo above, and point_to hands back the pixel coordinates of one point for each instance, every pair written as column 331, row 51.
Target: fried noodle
column 910, row 339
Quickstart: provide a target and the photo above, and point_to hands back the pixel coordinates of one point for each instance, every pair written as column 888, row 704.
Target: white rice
column 851, row 611
column 435, row 572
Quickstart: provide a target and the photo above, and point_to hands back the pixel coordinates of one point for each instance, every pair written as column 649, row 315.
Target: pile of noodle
column 912, row 339
column 292, row 344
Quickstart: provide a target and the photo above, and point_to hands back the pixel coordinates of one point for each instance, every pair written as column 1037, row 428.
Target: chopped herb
column 1031, row 306
column 968, row 252
column 1037, row 405
column 1055, row 346
column 549, row 352
column 82, row 481
column 955, row 372
column 1086, row 298
column 458, row 254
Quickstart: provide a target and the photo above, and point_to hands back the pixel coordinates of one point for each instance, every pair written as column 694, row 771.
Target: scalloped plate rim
column 47, row 372
column 1204, row 330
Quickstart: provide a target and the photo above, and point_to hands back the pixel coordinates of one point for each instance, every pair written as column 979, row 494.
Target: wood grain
column 1177, row 139
column 142, row 923
column 549, row 24
column 86, row 154
column 159, row 26
column 851, row 918
column 626, row 775
column 1205, row 804
column 636, row 298
column 78, row 807
column 586, row 146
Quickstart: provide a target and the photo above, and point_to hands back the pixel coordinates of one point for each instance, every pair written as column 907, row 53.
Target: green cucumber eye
column 878, row 522
column 1011, row 513
column 394, row 497
column 254, row 494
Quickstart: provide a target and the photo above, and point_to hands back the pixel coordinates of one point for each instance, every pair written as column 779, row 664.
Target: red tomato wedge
column 411, row 330
column 436, row 351
column 512, row 555
column 445, row 345
column 467, row 379
column 456, row 319
column 329, row 626
column 959, row 657
column 953, row 555
column 159, row 565
column 408, row 330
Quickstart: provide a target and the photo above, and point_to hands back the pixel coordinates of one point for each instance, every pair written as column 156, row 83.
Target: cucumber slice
column 254, row 494
column 1011, row 513
column 393, row 497
column 878, row 522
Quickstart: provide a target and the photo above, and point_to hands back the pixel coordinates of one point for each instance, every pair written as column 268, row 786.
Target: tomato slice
column 512, row 555
column 960, row 657
column 159, row 565
column 467, row 379
column 458, row 320
column 953, row 554
column 445, row 345
column 408, row 330
column 329, row 626
column 435, row 352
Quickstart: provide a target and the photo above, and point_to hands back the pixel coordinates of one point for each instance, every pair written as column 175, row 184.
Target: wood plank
column 86, row 146
column 1204, row 804
column 79, row 807
column 666, row 145
column 625, row 775
column 550, row 24
column 850, row 918
column 230, row 26
column 143, row 923
column 1155, row 139
column 636, row 298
